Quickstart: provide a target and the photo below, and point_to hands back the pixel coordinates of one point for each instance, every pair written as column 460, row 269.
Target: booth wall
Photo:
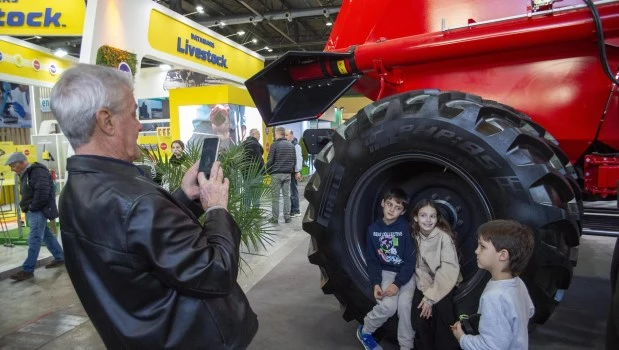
column 149, row 83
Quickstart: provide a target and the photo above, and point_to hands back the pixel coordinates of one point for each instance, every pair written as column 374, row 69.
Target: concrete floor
column 283, row 288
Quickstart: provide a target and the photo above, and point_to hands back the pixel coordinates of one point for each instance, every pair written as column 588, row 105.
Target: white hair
column 81, row 92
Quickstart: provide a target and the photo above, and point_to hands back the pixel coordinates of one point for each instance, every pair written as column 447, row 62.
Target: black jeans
column 434, row 333
column 294, row 196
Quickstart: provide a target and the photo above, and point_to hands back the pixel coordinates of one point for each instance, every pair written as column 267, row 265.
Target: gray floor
column 283, row 288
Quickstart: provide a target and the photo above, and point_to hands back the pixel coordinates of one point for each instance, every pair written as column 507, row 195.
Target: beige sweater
column 437, row 271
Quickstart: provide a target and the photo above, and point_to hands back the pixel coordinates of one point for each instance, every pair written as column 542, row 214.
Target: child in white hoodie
column 504, row 249
column 437, row 273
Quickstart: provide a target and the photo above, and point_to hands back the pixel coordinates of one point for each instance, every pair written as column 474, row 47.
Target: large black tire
column 479, row 160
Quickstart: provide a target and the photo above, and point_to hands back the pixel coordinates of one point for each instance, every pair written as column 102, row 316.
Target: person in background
column 148, row 273
column 178, row 153
column 254, row 154
column 280, row 164
column 38, row 201
column 504, row 248
column 295, row 209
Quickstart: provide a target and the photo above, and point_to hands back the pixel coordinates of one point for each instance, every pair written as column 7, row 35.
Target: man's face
column 256, row 135
column 23, row 88
column 18, row 167
column 128, row 128
column 288, row 136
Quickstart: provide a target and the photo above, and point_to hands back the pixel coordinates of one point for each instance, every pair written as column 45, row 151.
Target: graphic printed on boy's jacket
column 388, row 251
column 390, row 248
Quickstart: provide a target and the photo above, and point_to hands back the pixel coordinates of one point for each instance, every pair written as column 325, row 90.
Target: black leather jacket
column 147, row 273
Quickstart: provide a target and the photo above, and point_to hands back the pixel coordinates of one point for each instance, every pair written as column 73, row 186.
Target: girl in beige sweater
column 437, row 273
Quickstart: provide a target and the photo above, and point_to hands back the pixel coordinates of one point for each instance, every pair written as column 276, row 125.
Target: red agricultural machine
column 543, row 134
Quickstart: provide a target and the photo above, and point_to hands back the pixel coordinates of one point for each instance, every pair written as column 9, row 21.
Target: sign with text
column 36, row 17
column 170, row 36
column 45, row 105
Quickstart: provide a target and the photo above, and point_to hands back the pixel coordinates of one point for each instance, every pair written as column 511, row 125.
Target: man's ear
column 104, row 121
column 504, row 255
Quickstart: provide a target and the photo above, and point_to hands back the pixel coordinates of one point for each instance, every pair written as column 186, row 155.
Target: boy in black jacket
column 390, row 256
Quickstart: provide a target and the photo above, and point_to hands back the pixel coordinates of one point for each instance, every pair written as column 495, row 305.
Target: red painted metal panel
column 609, row 132
column 547, row 66
column 601, row 174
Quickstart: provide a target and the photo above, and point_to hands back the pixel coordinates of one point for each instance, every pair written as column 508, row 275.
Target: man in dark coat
column 280, row 164
column 38, row 201
column 253, row 176
column 148, row 274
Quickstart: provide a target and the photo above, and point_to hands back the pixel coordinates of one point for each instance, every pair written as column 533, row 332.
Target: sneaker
column 54, row 263
column 288, row 220
column 294, row 215
column 367, row 340
column 21, row 275
column 273, row 221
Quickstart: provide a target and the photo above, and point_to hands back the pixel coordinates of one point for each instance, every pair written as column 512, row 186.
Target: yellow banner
column 32, row 64
column 178, row 39
column 42, row 17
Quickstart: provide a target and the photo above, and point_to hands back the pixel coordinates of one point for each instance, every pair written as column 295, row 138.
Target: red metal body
column 601, row 174
column 546, row 65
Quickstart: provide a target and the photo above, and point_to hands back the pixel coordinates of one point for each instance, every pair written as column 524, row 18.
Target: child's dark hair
column 512, row 236
column 440, row 220
column 398, row 195
column 180, row 143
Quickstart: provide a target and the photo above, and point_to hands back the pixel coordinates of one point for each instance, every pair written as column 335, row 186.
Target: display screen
column 210, row 148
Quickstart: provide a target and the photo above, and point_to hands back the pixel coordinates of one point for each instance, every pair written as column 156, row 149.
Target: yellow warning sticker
column 341, row 66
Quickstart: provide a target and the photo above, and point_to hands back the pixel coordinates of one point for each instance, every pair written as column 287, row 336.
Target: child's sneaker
column 367, row 340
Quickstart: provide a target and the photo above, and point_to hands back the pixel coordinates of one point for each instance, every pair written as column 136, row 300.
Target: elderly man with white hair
column 148, row 274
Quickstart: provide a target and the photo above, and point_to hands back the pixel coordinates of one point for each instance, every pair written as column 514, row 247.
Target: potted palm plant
column 246, row 187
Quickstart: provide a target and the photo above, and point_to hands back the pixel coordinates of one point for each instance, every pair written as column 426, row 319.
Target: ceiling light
column 240, row 33
column 37, row 37
column 165, row 66
column 270, row 50
column 254, row 40
column 60, row 53
column 222, row 24
column 266, row 48
column 329, row 24
column 200, row 9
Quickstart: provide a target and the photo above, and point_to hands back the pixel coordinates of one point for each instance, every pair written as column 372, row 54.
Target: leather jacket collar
column 92, row 163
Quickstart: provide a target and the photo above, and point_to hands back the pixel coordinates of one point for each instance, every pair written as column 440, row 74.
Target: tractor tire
column 479, row 160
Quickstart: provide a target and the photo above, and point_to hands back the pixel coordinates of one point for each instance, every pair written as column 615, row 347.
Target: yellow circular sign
column 18, row 60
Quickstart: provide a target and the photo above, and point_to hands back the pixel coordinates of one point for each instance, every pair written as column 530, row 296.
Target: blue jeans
column 40, row 231
column 294, row 196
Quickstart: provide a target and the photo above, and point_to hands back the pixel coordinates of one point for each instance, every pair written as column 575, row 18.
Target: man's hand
column 378, row 292
column 456, row 329
column 391, row 290
column 426, row 309
column 189, row 184
column 297, row 176
column 214, row 190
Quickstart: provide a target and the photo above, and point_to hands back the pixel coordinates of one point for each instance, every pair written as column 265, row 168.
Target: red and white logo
column 163, row 146
column 27, row 152
column 36, row 64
